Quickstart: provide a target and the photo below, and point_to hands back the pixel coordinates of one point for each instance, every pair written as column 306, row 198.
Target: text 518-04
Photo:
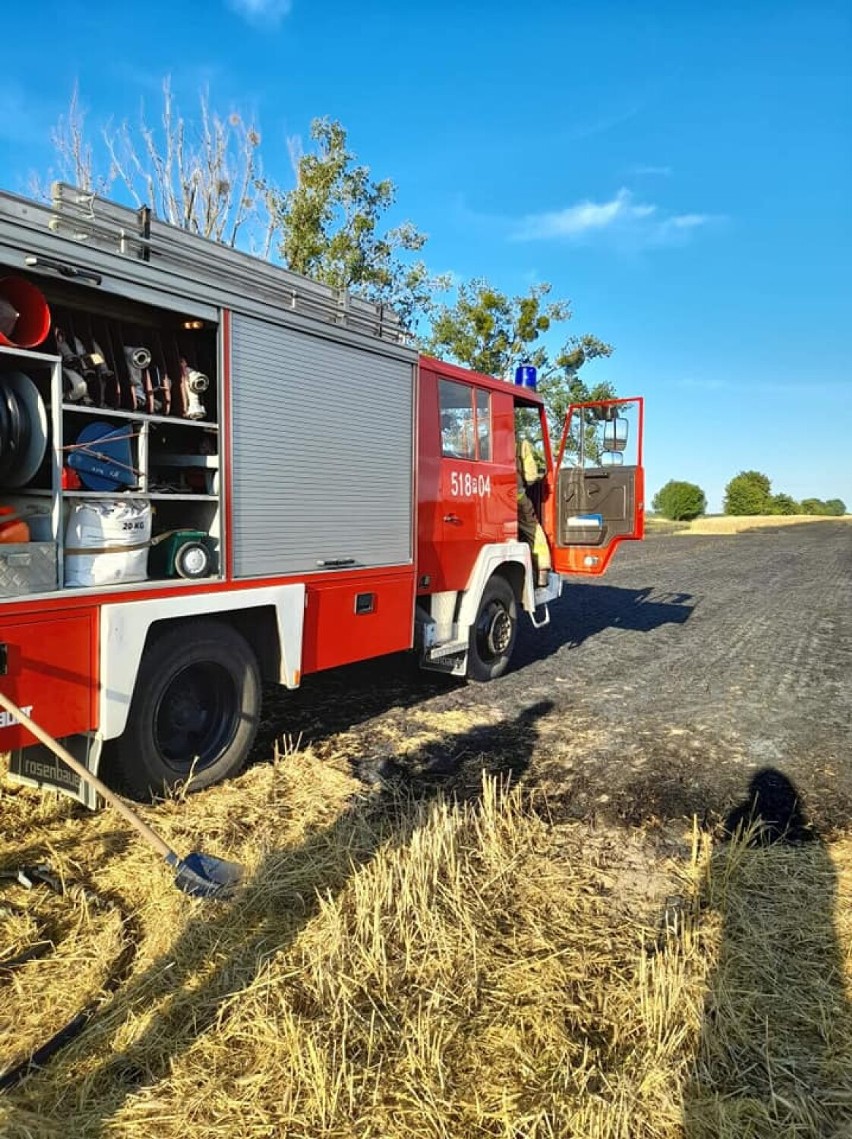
column 465, row 485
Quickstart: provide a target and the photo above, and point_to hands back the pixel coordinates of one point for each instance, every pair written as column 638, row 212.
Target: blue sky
column 681, row 172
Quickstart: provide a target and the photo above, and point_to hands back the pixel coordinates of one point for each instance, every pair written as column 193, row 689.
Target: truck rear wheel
column 492, row 636
column 194, row 712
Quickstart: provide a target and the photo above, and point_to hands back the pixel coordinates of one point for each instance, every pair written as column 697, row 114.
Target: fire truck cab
column 474, row 574
column 215, row 473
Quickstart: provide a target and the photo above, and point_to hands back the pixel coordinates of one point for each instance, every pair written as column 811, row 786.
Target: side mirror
column 612, row 459
column 615, row 434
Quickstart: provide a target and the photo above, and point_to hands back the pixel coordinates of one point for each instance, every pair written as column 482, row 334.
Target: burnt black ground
column 695, row 662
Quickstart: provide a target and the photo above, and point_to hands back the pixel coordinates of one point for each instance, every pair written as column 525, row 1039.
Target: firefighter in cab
column 529, row 526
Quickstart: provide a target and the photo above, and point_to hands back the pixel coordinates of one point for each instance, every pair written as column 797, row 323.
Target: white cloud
column 657, row 171
column 576, row 220
column 602, row 125
column 688, row 221
column 262, row 12
column 633, row 221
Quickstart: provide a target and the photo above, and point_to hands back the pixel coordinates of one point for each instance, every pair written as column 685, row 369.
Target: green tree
column 783, row 504
column 562, row 385
column 749, row 492
column 491, row 332
column 331, row 228
column 835, row 507
column 813, row 506
column 680, row 501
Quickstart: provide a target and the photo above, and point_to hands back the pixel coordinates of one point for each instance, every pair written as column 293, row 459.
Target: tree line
column 748, row 493
column 207, row 175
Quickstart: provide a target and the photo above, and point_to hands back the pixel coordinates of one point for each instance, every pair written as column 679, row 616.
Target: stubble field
column 501, row 910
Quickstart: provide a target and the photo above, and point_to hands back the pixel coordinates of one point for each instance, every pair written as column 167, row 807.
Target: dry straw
column 739, row 524
column 404, row 965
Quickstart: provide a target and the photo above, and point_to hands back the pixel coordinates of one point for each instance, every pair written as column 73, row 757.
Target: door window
column 465, row 422
column 603, row 436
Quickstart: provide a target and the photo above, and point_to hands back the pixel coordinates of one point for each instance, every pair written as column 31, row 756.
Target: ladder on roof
column 201, row 264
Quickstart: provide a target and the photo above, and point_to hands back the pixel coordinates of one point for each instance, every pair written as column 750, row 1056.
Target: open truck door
column 598, row 485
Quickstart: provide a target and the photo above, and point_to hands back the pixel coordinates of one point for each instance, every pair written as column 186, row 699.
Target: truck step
column 450, row 648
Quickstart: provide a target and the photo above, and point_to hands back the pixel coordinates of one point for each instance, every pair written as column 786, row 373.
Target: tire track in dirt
column 694, row 662
column 759, row 673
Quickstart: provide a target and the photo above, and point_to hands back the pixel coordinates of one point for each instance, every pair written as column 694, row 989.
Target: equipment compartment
column 60, row 699
column 119, row 398
column 129, row 356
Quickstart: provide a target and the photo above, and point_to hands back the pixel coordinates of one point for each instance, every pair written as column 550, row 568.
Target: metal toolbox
column 27, row 567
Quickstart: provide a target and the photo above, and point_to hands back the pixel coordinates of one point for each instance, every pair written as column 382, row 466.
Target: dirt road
column 653, row 694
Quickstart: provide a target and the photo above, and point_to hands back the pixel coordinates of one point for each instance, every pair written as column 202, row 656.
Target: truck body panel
column 49, row 670
column 322, row 458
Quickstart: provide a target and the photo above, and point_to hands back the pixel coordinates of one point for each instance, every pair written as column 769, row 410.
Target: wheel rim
column 193, row 560
column 196, row 717
column 493, row 632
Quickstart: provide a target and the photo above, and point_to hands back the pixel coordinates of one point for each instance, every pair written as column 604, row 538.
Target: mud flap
column 37, row 766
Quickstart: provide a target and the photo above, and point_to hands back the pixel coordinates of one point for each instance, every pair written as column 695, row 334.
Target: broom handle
column 62, row 753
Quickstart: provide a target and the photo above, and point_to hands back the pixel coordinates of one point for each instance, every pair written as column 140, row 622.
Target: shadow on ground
column 337, row 701
column 775, row 1054
column 586, row 610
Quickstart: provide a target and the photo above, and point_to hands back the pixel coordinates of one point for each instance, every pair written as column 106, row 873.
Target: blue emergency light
column 525, row 376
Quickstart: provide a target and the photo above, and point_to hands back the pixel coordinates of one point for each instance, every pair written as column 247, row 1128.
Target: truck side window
column 465, row 421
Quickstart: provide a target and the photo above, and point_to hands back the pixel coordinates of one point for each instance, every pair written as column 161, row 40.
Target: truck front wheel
column 194, row 712
column 492, row 636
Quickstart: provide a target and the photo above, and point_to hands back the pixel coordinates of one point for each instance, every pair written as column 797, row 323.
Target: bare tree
column 203, row 175
column 75, row 161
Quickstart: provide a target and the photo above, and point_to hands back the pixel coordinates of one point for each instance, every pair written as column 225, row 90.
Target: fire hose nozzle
column 197, row 381
column 139, row 357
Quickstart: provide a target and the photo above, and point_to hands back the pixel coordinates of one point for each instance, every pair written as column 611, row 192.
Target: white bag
column 107, row 541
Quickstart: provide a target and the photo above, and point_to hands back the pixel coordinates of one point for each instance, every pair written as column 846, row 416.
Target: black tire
column 492, row 636
column 195, row 710
column 7, row 448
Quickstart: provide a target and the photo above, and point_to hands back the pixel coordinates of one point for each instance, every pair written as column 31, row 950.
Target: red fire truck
column 216, row 473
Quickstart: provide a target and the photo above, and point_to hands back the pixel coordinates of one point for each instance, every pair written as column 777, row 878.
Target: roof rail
column 88, row 219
